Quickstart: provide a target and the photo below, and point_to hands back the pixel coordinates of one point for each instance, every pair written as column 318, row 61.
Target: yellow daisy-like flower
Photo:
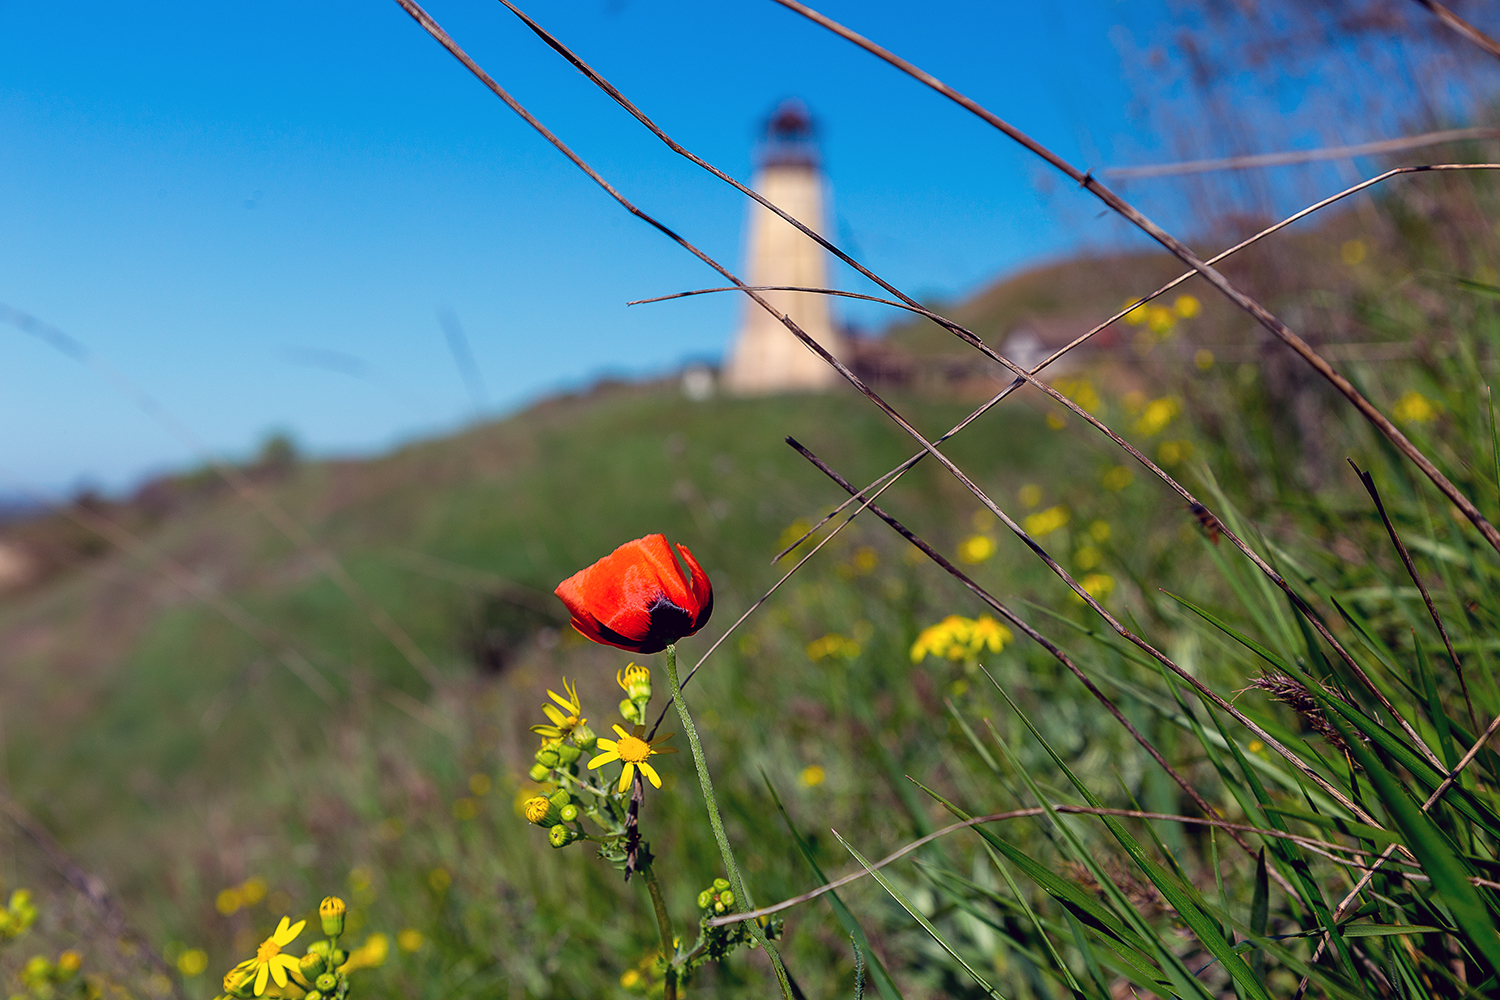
column 269, row 961
column 563, row 724
column 633, row 749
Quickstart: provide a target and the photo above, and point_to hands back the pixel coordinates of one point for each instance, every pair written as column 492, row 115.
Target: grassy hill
column 196, row 701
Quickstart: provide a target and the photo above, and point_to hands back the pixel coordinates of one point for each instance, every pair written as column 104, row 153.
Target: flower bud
column 560, row 798
column 561, row 836
column 635, row 680
column 705, row 899
column 336, row 958
column 327, row 982
column 629, row 712
column 319, row 947
column 567, row 753
column 727, row 898
column 538, row 810
column 538, row 772
column 312, row 995
column 547, row 757
column 312, row 965
column 332, row 911
column 583, row 737
column 720, row 884
column 568, row 813
column 239, row 980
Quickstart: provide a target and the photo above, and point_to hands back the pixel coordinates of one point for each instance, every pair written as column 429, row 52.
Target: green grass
column 179, row 756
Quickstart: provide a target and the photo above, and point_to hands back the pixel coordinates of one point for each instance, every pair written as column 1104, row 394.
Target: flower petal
column 619, row 731
column 602, row 759
column 261, row 975
column 291, row 932
column 626, row 775
column 703, row 591
column 278, row 971
column 564, row 702
column 557, row 717
column 657, row 749
column 650, row 773
column 281, row 929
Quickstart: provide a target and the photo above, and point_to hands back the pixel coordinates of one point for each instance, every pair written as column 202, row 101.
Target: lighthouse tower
column 767, row 357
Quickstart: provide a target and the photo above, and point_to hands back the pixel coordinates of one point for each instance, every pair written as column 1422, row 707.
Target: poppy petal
column 703, row 591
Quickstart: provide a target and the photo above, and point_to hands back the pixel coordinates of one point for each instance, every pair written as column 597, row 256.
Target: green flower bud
column 568, row 813
column 332, row 911
column 584, row 737
column 538, row 772
column 635, row 681
column 705, row 899
column 547, row 757
column 312, row 995
column 567, row 753
column 327, row 981
column 718, row 906
column 312, row 965
column 540, row 811
column 720, row 884
column 336, row 958
column 560, row 798
column 561, row 836
column 319, row 948
column 629, row 712
column 727, row 898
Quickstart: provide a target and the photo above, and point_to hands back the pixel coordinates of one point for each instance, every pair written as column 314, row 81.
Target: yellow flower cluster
column 242, row 896
column 1046, row 521
column 18, row 916
column 830, row 646
column 1156, row 416
column 1414, row 408
column 1161, row 319
column 959, row 638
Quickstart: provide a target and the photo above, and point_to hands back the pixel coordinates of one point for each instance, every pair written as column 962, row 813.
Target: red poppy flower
column 637, row 598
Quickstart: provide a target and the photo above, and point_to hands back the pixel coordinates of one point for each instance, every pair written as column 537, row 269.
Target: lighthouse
column 766, row 357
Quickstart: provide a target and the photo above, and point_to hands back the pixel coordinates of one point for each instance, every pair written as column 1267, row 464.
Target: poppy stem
column 716, row 821
column 664, row 924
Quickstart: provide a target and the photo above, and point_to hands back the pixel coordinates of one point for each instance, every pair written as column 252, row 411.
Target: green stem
column 664, row 924
column 717, row 822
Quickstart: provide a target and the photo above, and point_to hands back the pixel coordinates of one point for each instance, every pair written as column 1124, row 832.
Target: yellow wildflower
column 1030, row 495
column 812, row 776
column 410, row 939
column 1136, row 316
column 832, row 645
column 190, row 963
column 1156, row 416
column 270, row 963
column 976, row 549
column 368, row 955
column 959, row 638
column 562, row 724
column 1117, row 478
column 1414, row 408
column 1047, row 521
column 633, row 750
column 1186, row 306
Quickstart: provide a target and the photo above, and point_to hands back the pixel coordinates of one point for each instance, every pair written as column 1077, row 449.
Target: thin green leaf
column 900, row 897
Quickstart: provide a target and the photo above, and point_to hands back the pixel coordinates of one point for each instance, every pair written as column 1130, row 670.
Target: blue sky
column 255, row 212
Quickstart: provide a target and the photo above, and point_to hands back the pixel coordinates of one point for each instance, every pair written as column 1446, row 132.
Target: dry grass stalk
column 1290, row 691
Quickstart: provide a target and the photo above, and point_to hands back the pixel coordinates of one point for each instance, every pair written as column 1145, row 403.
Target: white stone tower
column 767, row 357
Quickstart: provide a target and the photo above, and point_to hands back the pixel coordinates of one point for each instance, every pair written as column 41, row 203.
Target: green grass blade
column 1439, row 861
column 900, row 897
column 1181, row 900
column 883, row 982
